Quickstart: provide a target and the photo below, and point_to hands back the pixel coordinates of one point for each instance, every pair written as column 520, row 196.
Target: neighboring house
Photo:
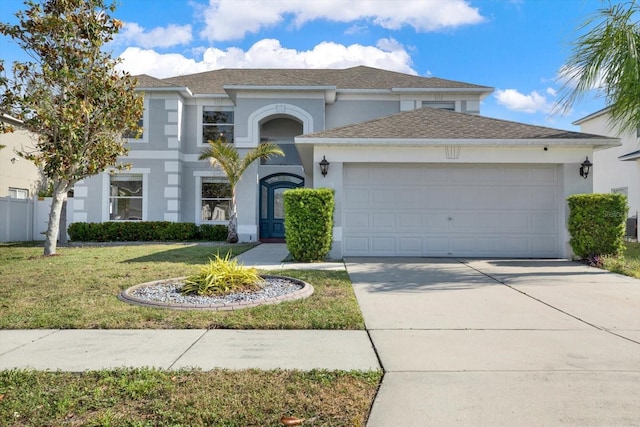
column 19, row 178
column 617, row 169
column 408, row 180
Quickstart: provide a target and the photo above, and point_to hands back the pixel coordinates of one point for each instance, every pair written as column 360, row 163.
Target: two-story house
column 417, row 171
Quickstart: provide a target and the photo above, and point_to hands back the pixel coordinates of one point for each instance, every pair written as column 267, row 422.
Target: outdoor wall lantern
column 324, row 166
column 585, row 168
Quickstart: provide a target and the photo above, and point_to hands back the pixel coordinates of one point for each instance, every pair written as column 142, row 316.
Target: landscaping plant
column 309, row 222
column 224, row 154
column 70, row 94
column 222, row 276
column 597, row 224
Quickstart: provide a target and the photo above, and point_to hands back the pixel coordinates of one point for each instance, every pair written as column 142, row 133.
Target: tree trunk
column 63, row 222
column 51, row 240
column 232, row 232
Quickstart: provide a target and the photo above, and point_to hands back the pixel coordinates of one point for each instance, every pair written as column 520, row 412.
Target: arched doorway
column 272, row 190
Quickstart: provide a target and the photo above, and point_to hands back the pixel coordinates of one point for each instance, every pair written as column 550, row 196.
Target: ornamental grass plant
column 222, row 276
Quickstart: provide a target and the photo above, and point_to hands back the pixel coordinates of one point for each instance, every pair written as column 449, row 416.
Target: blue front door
column 272, row 190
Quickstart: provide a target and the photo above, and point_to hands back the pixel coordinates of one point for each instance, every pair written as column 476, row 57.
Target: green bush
column 145, row 231
column 597, row 224
column 212, row 233
column 222, row 276
column 308, row 222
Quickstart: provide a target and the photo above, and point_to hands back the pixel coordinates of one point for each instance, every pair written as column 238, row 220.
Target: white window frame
column 15, row 192
column 201, row 110
column 199, row 175
column 442, row 105
column 106, row 192
column 621, row 190
column 144, row 138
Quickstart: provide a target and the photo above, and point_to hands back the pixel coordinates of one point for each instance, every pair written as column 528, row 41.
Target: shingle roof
column 146, row 81
column 433, row 123
column 360, row 77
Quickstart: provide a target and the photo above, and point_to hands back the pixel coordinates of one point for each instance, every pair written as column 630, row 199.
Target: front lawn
column 628, row 263
column 144, row 397
column 78, row 289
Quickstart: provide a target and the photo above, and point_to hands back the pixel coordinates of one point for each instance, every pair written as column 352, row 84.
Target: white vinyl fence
column 26, row 219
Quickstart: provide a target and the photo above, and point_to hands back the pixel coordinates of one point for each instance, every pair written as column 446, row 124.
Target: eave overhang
column 184, row 91
column 633, row 156
column 421, row 142
column 233, row 90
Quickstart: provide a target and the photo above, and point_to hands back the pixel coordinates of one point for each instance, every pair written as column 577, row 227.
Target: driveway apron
column 501, row 342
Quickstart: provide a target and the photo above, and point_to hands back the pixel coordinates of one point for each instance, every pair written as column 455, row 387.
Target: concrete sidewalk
column 81, row 350
column 273, row 256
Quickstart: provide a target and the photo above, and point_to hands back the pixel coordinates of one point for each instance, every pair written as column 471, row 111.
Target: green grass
column 628, row 263
column 78, row 288
column 144, row 397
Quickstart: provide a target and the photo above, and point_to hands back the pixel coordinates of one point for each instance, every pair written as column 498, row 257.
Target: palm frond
column 266, row 150
column 606, row 58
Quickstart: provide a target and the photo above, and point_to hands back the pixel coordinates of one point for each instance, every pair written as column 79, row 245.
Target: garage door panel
column 356, row 197
column 357, row 220
column 356, row 245
column 357, row 173
column 506, row 222
column 436, row 222
column 543, row 198
column 409, row 245
column 544, row 222
column 436, row 175
column 444, row 210
column 384, row 220
column 542, row 175
column 543, row 245
column 410, row 221
column 383, row 197
column 465, row 175
column 463, row 222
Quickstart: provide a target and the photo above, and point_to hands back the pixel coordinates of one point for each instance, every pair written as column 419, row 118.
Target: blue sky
column 515, row 46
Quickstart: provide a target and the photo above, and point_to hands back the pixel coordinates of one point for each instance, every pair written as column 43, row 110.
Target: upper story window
column 142, row 133
column 136, row 134
column 216, row 124
column 125, row 198
column 443, row 105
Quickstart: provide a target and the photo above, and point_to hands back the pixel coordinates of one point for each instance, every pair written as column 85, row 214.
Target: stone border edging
column 125, row 296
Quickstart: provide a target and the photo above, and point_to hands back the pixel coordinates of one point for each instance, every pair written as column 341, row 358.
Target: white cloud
column 516, row 101
column 171, row 35
column 551, row 91
column 146, row 61
column 233, row 19
column 269, row 53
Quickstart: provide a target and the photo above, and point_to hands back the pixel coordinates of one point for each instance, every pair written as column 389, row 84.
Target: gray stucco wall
column 346, row 112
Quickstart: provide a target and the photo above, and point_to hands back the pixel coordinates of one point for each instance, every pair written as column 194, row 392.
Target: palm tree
column 222, row 153
column 607, row 57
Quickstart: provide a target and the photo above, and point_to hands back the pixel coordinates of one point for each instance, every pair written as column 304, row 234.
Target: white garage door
column 438, row 210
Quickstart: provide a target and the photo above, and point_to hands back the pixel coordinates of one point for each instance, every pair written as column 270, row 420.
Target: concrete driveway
column 501, row 342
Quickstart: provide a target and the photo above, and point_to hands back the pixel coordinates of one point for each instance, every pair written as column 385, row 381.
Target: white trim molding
column 253, row 125
column 106, row 194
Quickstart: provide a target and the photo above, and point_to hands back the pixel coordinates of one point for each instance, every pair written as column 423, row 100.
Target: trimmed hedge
column 145, row 231
column 308, row 223
column 597, row 224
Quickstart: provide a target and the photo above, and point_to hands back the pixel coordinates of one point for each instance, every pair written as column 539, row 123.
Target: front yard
column 628, row 263
column 144, row 397
column 78, row 289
